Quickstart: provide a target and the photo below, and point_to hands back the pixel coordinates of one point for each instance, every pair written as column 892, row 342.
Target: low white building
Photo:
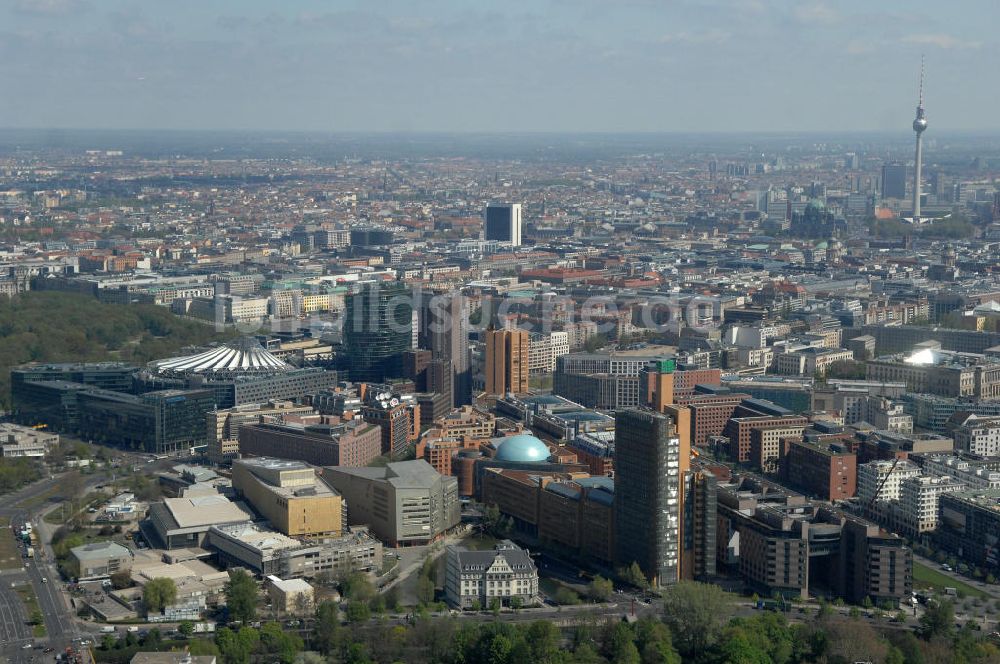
column 505, row 573
column 880, row 481
column 292, row 596
column 979, row 436
column 19, row 441
column 887, row 415
column 918, row 502
column 974, row 474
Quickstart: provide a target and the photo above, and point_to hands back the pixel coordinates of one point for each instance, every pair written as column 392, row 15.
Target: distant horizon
column 514, row 132
column 540, row 66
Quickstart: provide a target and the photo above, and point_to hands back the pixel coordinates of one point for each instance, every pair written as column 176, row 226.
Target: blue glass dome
column 522, row 448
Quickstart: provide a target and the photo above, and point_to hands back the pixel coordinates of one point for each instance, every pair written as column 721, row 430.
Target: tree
column 88, row 330
column 186, row 628
column 425, row 589
column 357, row 586
column 655, row 643
column 853, row 641
column 121, row 579
column 566, row 596
column 516, row 603
column 326, row 631
column 303, row 604
column 737, row 646
column 495, row 605
column 200, row 647
column 600, row 589
column 357, row 611
column 377, row 605
column 279, row 642
column 241, row 595
column 236, row 647
column 938, row 619
column 620, row 646
column 543, row 639
column 634, row 576
column 495, row 523
column 152, row 639
column 392, row 599
column 695, row 613
column 158, row 594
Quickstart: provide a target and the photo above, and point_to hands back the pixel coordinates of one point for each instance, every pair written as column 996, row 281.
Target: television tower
column 919, row 126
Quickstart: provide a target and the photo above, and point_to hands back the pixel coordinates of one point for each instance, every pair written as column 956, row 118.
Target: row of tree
column 63, row 327
column 696, row 626
column 955, row 227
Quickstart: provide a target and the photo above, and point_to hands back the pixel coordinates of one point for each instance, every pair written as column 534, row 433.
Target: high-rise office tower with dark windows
column 378, row 329
column 444, row 330
column 503, row 223
column 894, row 180
column 648, row 497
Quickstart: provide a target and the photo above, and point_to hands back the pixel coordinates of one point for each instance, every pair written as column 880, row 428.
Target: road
column 991, row 590
column 61, row 626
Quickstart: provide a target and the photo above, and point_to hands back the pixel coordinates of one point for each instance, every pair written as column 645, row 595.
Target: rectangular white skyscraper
column 503, row 223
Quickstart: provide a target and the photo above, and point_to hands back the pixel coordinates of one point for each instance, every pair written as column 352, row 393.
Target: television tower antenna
column 920, row 99
column 919, row 126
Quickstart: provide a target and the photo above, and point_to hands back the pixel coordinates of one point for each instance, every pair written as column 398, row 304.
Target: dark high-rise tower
column 378, row 329
column 894, row 180
column 444, row 330
column 648, row 477
column 503, row 223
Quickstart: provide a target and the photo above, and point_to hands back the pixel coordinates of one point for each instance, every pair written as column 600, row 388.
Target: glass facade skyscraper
column 647, row 494
column 378, row 328
column 503, row 223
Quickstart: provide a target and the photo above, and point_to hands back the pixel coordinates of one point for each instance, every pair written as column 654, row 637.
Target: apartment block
column 355, row 443
column 826, row 471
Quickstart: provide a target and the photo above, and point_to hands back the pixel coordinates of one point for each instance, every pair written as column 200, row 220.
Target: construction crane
column 881, row 484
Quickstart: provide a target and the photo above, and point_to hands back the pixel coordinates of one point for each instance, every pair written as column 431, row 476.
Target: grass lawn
column 27, row 595
column 65, row 512
column 556, row 590
column 10, row 554
column 478, row 542
column 927, row 577
column 40, row 499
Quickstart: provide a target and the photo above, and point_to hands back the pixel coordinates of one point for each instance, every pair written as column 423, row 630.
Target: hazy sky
column 498, row 65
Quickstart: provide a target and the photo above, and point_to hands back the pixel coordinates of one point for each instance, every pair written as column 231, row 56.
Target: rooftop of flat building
column 271, row 463
column 199, row 511
column 986, row 498
column 99, row 551
column 402, row 474
column 259, row 538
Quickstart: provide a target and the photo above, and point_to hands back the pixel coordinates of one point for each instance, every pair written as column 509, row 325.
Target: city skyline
column 641, row 66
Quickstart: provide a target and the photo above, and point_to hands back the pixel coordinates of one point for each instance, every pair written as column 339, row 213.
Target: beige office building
column 507, row 361
column 290, row 496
